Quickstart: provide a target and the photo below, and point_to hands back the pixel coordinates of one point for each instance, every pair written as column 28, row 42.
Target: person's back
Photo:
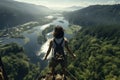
column 59, row 56
column 58, row 48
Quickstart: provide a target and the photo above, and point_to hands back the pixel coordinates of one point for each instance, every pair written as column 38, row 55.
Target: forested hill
column 13, row 13
column 95, row 15
column 97, row 45
column 98, row 53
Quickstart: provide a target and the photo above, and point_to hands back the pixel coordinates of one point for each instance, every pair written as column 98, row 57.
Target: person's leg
column 53, row 66
column 64, row 67
column 64, row 72
column 53, row 72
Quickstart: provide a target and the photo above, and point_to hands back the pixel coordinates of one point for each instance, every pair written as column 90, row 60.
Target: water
column 61, row 22
column 32, row 48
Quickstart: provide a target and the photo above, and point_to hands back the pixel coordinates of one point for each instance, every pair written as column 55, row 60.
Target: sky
column 68, row 3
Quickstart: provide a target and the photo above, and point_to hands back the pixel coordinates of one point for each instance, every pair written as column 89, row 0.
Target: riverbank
column 35, row 40
column 15, row 32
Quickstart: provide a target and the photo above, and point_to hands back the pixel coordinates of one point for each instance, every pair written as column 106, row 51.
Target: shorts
column 54, row 62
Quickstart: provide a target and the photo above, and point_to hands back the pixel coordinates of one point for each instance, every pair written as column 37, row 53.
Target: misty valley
column 26, row 30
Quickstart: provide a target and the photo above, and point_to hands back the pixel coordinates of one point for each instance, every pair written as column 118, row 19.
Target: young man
column 58, row 43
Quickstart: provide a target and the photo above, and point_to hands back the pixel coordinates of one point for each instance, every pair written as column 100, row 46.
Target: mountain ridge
column 13, row 13
column 97, row 43
column 73, row 8
column 95, row 15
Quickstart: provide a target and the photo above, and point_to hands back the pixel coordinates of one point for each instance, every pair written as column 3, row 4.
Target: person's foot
column 65, row 78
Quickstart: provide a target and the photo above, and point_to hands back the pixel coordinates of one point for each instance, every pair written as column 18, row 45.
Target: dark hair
column 58, row 32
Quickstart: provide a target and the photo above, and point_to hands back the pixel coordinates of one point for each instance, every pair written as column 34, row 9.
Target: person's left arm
column 68, row 49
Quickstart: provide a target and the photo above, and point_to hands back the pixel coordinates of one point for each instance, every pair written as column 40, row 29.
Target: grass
column 72, row 29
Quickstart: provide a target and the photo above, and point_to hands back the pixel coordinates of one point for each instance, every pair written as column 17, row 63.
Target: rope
column 71, row 75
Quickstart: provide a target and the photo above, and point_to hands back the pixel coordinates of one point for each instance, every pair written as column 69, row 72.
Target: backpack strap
column 59, row 43
column 58, row 48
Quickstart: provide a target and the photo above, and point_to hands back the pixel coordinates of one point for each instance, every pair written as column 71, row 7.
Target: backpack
column 59, row 50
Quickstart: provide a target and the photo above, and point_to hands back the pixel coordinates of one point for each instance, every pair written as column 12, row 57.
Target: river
column 32, row 48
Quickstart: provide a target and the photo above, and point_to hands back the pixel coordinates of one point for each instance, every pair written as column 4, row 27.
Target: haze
column 69, row 3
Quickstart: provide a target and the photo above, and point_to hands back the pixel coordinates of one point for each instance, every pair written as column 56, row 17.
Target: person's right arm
column 49, row 49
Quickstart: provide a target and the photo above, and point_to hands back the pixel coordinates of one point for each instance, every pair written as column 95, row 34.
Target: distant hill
column 73, row 8
column 95, row 15
column 13, row 13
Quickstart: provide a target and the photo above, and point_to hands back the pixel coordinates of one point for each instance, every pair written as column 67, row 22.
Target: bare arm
column 68, row 49
column 49, row 49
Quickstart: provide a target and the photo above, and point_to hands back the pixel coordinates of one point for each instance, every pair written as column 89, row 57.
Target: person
column 57, row 45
